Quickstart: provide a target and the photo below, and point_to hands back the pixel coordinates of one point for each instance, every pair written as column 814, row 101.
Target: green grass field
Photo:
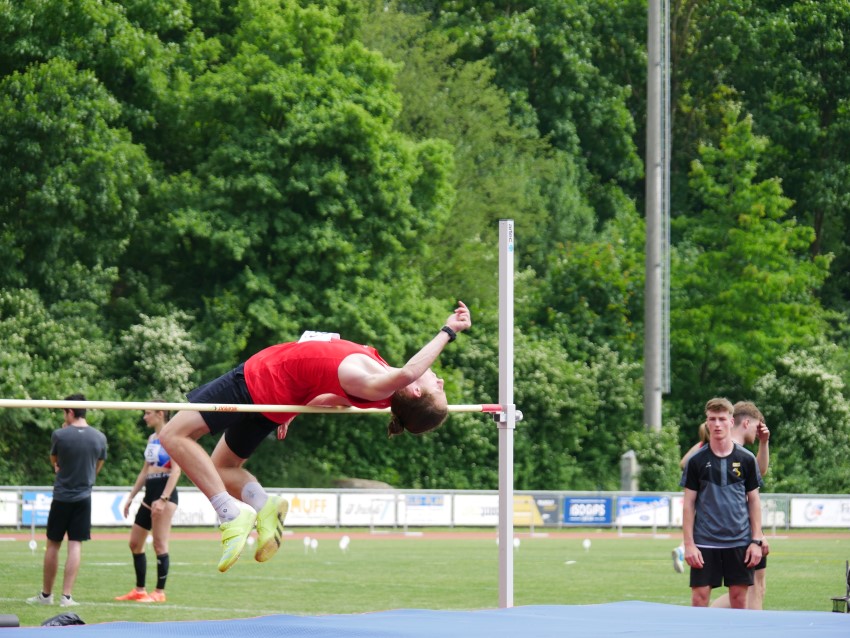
column 381, row 573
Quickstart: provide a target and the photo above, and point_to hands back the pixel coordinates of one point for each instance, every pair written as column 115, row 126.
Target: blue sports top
column 155, row 454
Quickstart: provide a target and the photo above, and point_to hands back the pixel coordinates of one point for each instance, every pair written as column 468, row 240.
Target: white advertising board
column 316, row 510
column 367, row 510
column 812, row 511
column 9, row 509
column 425, row 509
column 476, row 510
column 773, row 514
column 193, row 509
column 643, row 511
column 676, row 510
column 107, row 509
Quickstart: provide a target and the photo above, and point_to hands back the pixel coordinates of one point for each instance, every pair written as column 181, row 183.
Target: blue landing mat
column 544, row 621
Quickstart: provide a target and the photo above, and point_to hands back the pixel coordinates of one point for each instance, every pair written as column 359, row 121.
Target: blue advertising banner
column 584, row 510
column 36, row 505
column 643, row 511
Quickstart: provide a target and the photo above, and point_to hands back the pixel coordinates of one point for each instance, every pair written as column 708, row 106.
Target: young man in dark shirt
column 722, row 512
column 77, row 453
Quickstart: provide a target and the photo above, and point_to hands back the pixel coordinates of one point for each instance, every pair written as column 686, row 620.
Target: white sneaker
column 678, row 560
column 41, row 599
column 67, row 601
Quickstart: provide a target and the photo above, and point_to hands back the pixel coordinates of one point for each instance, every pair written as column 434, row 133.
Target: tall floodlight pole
column 507, row 418
column 656, row 296
column 666, row 116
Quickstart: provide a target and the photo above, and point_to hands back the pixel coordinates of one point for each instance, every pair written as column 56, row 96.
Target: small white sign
column 313, row 335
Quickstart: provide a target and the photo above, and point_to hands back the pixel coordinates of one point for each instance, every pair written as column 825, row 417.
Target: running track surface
column 632, row 619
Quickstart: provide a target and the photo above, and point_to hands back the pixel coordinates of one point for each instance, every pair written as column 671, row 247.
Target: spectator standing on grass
column 77, row 453
column 721, row 524
column 749, row 426
column 158, row 477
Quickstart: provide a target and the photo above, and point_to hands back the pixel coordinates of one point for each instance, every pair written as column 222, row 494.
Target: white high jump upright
column 507, row 417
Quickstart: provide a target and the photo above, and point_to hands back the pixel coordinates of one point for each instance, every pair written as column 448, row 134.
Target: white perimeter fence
column 380, row 510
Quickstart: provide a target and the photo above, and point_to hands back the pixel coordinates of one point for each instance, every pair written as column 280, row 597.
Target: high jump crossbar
column 493, row 408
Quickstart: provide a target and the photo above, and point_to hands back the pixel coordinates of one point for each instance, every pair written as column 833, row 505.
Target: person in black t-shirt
column 77, row 452
column 722, row 512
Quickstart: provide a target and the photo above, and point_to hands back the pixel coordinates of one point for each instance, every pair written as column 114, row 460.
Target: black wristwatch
column 759, row 543
column 452, row 334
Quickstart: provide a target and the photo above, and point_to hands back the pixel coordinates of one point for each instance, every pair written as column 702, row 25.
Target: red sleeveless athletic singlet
column 296, row 373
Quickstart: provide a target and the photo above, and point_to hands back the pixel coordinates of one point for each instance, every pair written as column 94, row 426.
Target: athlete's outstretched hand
column 460, row 319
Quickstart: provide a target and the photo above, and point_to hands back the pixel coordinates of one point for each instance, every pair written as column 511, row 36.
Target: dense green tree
column 592, row 292
column 576, row 410
column 657, row 454
column 787, row 63
column 286, row 200
column 297, row 196
column 184, row 182
column 156, row 355
column 119, row 44
column 806, row 402
column 567, row 74
column 52, row 352
column 72, row 189
column 500, row 171
column 743, row 285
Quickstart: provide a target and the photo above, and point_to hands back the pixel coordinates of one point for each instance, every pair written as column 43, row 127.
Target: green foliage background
column 184, row 182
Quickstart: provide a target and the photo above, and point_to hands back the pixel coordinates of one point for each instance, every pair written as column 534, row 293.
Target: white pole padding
column 219, row 407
